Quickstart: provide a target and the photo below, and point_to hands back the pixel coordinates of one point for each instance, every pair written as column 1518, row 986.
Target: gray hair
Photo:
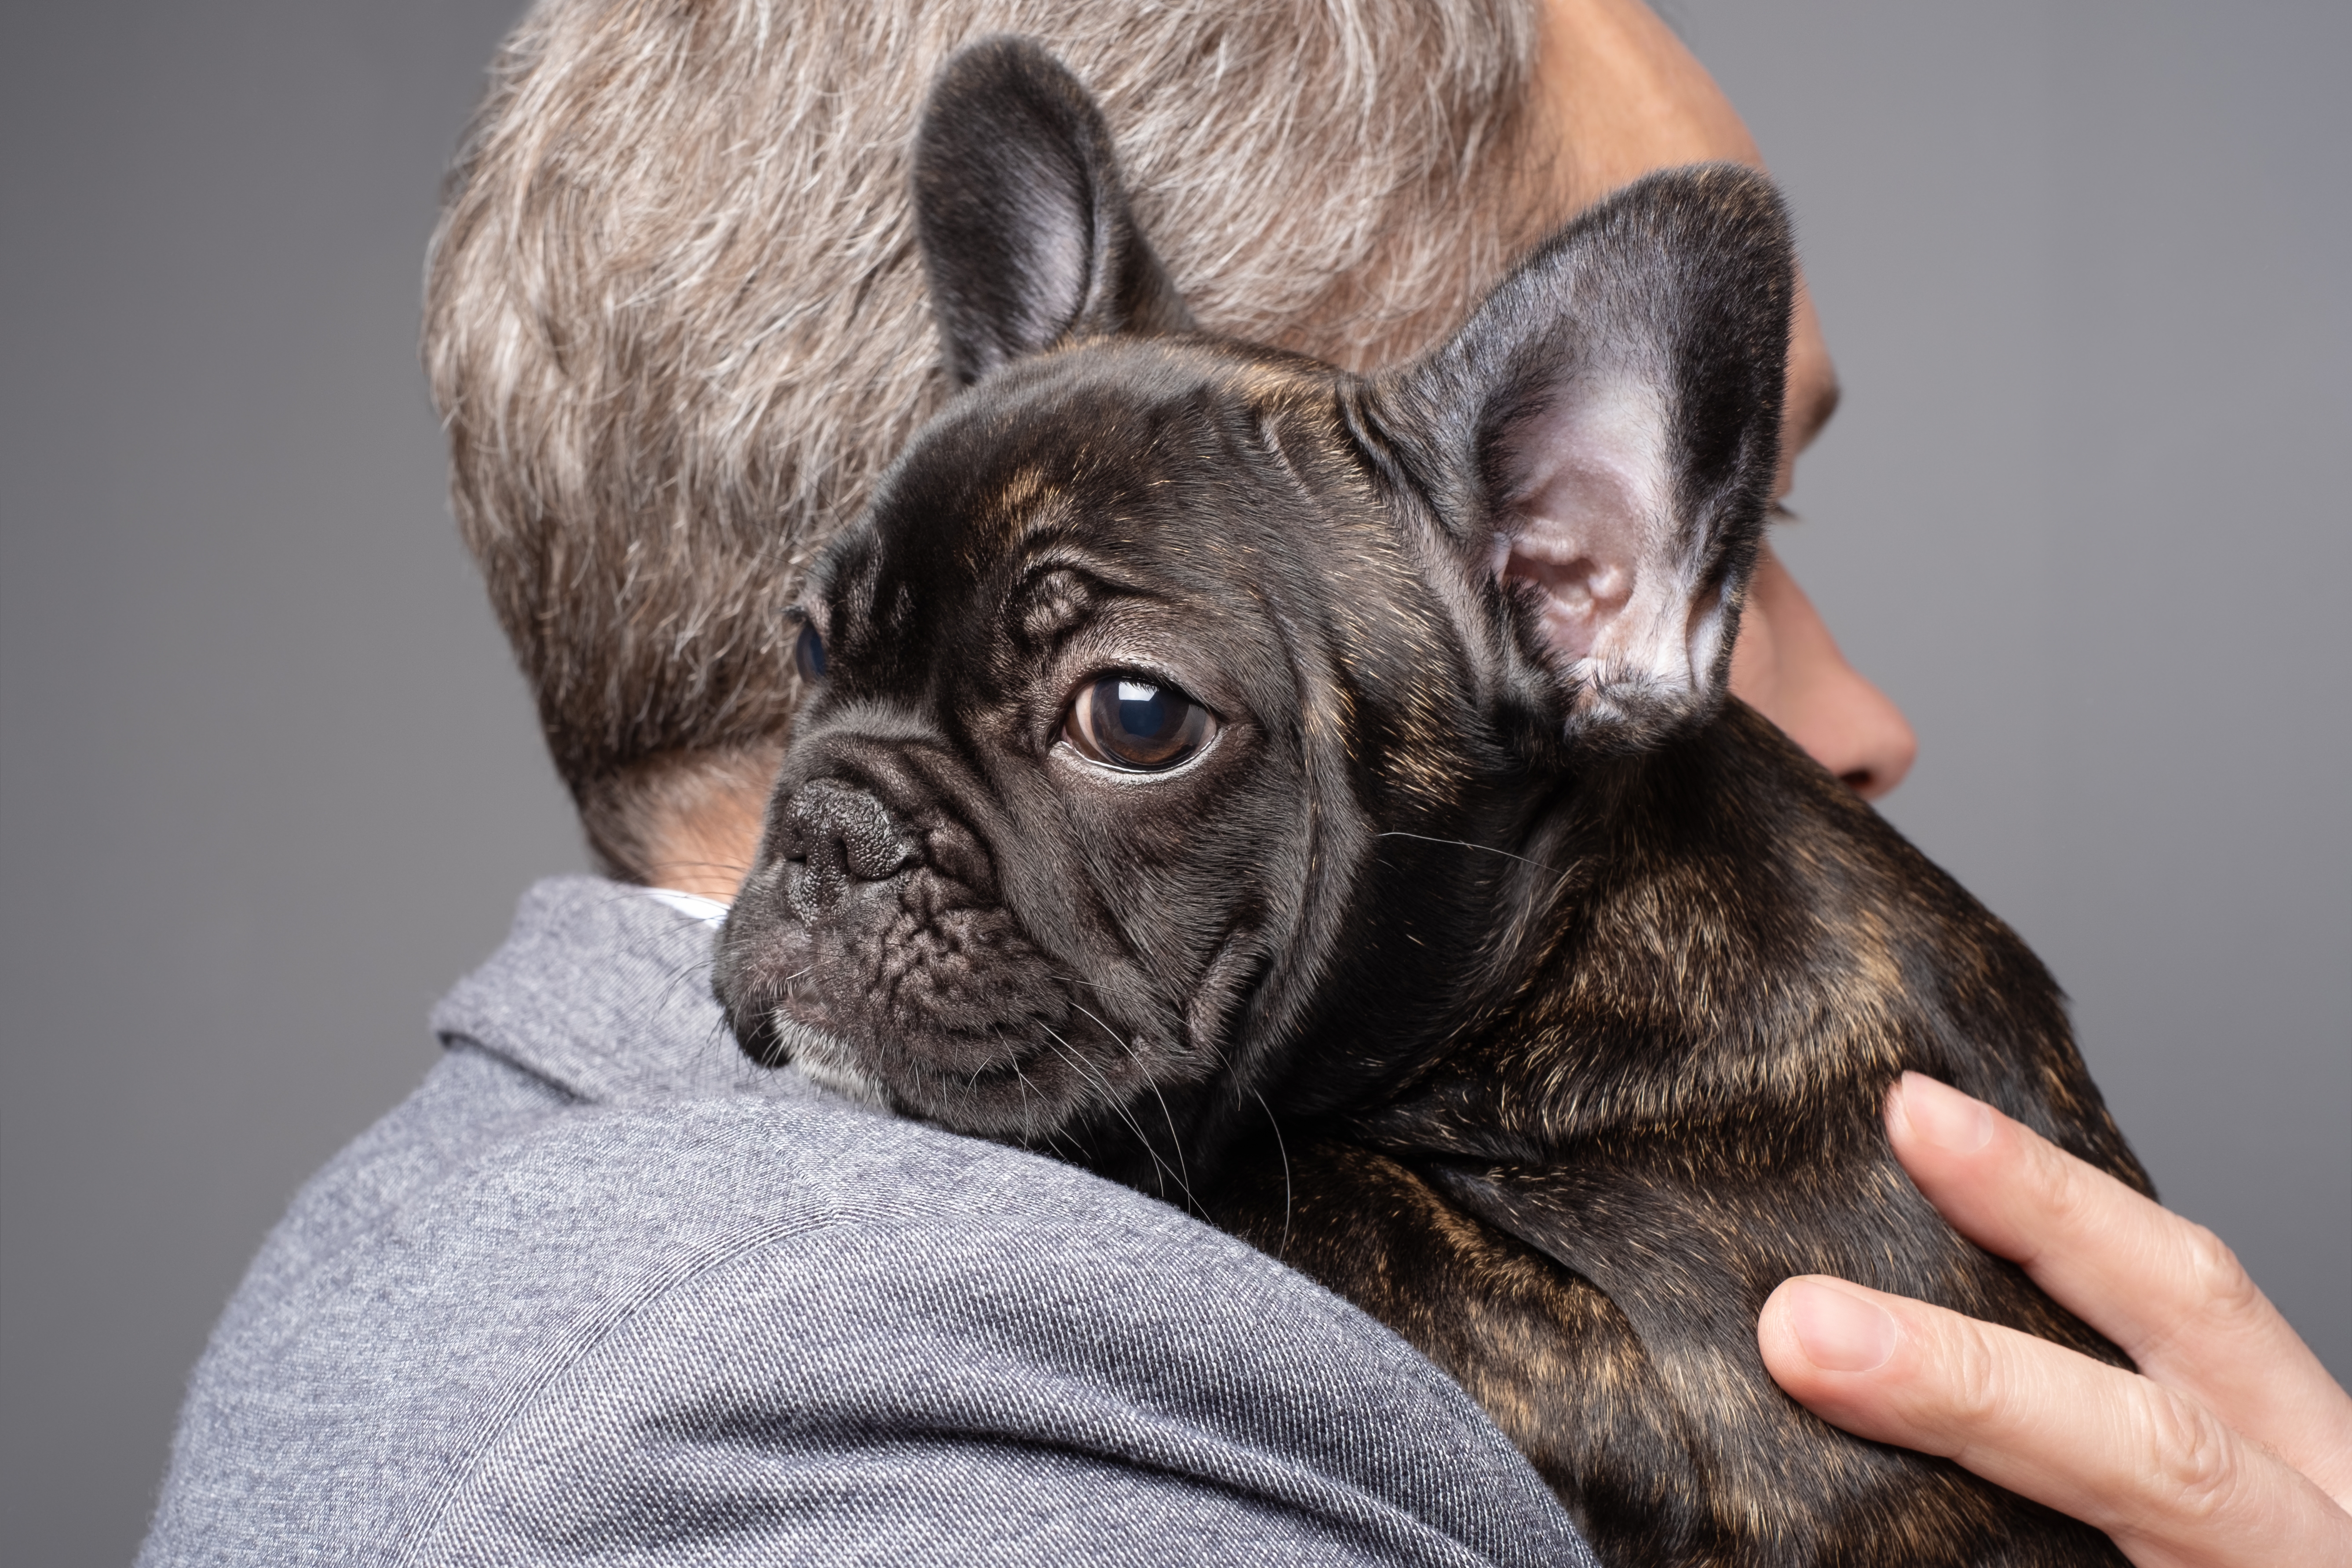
column 676, row 327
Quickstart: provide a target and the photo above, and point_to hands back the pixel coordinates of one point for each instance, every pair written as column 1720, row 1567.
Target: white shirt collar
column 711, row 911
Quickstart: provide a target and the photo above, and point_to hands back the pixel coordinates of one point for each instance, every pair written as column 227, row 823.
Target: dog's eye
column 808, row 655
column 1135, row 723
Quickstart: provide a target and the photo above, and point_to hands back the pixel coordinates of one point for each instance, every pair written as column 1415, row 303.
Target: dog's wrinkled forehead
column 1057, row 483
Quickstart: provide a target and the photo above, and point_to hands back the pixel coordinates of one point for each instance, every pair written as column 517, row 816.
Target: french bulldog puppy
column 1313, row 798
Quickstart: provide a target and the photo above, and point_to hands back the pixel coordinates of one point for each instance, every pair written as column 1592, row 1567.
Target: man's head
column 676, row 327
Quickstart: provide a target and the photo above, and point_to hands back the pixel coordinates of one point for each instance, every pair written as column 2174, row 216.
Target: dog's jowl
column 1313, row 798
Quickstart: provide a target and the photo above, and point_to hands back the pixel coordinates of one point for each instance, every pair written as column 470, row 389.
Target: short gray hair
column 675, row 323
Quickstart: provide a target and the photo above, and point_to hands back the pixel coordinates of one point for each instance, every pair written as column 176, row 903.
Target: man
column 603, row 1288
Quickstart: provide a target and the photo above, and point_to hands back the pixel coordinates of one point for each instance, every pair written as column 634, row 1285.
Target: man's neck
column 706, row 849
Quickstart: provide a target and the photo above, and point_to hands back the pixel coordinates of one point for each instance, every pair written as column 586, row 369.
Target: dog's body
column 1578, row 1205
column 1313, row 798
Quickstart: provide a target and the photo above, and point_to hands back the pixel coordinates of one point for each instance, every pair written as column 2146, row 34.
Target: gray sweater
column 602, row 1289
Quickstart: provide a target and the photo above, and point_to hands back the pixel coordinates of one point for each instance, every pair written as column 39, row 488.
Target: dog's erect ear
column 1601, row 436
column 1024, row 226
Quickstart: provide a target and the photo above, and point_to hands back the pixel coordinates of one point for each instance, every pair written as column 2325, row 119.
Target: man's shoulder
column 592, row 1292
column 814, row 1331
column 469, row 1104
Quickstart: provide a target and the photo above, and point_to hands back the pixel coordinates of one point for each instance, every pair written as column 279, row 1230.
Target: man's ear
column 1023, row 222
column 1600, row 439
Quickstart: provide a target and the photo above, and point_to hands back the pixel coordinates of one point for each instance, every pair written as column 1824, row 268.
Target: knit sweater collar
column 604, row 990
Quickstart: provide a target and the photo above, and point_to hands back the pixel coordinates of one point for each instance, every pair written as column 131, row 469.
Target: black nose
column 844, row 835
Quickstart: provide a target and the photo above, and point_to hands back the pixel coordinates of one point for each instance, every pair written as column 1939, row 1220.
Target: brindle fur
column 1548, row 1022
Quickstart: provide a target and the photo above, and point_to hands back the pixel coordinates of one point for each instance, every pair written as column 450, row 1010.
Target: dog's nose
column 844, row 835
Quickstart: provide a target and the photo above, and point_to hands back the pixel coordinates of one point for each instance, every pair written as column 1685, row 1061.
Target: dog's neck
column 1449, row 915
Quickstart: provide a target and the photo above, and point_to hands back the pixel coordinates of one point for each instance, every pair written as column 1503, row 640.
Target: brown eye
column 808, row 654
column 1135, row 723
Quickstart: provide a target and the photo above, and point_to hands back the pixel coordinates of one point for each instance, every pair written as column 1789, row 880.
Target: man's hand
column 2231, row 1445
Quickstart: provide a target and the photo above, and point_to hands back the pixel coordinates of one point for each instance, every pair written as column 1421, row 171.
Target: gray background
column 268, row 782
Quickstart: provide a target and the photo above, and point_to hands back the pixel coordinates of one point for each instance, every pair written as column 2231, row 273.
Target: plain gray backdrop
column 269, row 781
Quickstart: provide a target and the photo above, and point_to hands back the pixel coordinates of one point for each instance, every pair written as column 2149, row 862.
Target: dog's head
column 1165, row 679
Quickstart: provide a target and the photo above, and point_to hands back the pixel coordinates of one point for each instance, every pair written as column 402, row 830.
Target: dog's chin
column 1024, row 1083
column 828, row 1061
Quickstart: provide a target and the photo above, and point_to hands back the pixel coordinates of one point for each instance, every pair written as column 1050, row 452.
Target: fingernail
column 1942, row 1115
column 1839, row 1333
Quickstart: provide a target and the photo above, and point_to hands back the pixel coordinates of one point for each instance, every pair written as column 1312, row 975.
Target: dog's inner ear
column 1608, row 424
column 1585, row 514
column 1026, row 237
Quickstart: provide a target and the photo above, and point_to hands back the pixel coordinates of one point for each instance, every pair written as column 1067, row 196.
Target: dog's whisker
column 1178, row 1174
column 1175, row 1139
column 1466, row 844
column 1281, row 1252
column 1027, row 1125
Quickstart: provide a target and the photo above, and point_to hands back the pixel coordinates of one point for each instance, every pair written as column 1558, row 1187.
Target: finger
column 2169, row 1481
column 2163, row 1287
